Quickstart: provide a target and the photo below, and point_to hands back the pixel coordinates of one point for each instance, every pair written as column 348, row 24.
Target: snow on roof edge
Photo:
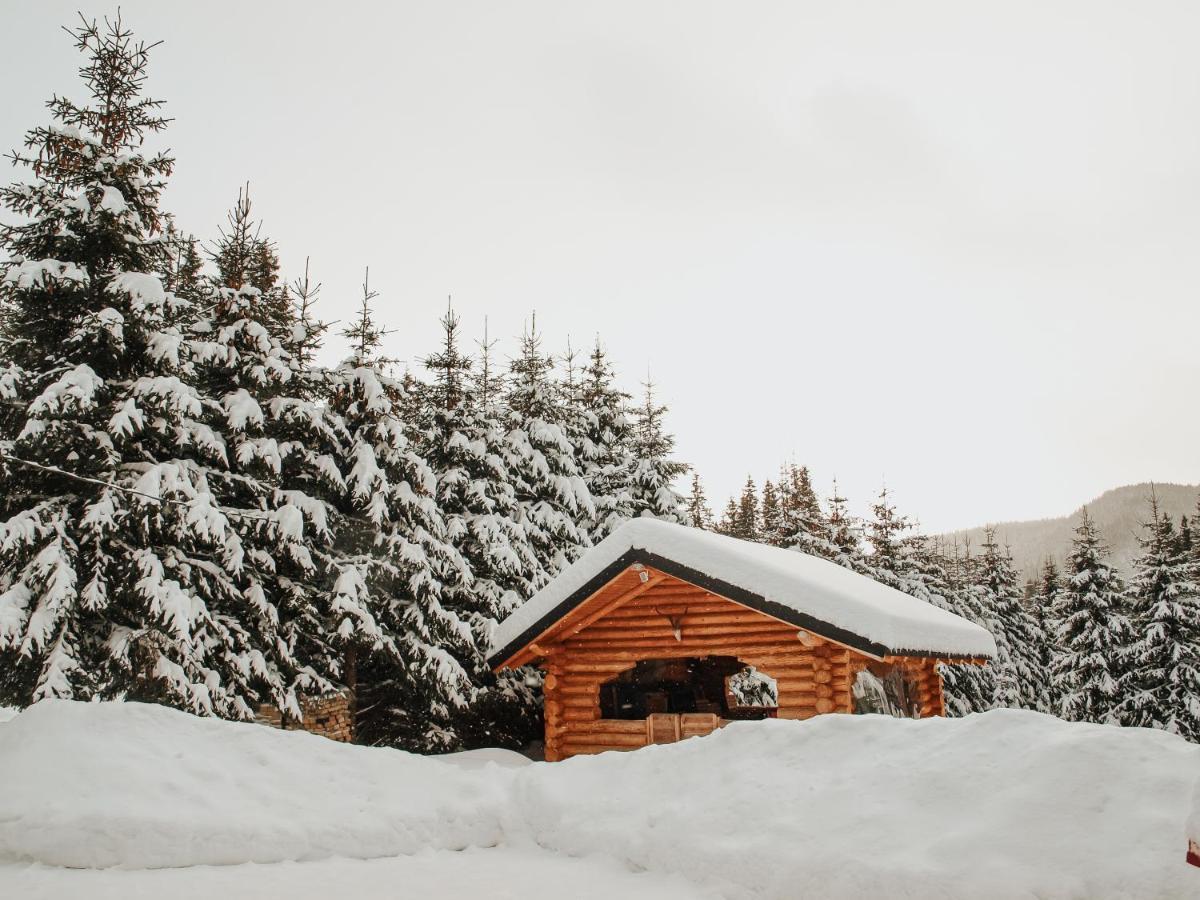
column 811, row 587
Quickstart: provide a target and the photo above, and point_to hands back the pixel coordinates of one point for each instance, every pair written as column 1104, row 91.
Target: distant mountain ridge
column 1119, row 513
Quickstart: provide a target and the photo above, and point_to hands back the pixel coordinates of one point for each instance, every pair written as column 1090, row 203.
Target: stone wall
column 327, row 716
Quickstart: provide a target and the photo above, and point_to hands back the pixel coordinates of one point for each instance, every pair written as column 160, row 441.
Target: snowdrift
column 1003, row 804
column 142, row 786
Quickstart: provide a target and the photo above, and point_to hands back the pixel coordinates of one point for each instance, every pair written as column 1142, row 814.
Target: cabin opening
column 886, row 689
column 721, row 685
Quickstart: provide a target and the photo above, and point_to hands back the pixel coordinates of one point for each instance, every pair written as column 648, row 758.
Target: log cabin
column 662, row 632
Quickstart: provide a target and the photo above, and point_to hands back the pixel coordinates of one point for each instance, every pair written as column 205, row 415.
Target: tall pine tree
column 1162, row 686
column 123, row 575
column 1090, row 629
column 1020, row 681
column 771, row 515
column 741, row 518
column 397, row 567
column 554, row 501
column 605, row 446
column 463, row 442
column 699, row 513
column 280, row 466
column 1042, row 591
column 803, row 524
column 886, row 531
column 654, row 469
column 843, row 531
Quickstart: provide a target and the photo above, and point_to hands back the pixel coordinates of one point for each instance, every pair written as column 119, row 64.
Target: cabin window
column 750, row 688
column 883, row 689
column 690, row 685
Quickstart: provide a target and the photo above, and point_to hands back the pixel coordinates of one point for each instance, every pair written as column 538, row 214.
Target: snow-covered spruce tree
column 281, row 452
column 307, row 332
column 488, row 382
column 463, row 442
column 245, row 259
column 1187, row 544
column 771, row 515
column 1043, row 589
column 699, row 513
column 741, row 518
column 410, row 650
column 803, row 523
column 605, row 446
column 553, row 499
column 728, row 523
column 654, row 471
column 843, row 531
column 1020, row 681
column 122, row 576
column 1161, row 688
column 184, row 275
column 886, row 532
column 1087, row 613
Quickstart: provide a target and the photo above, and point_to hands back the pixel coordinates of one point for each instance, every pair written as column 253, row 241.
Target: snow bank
column 477, row 759
column 6, row 713
column 806, row 584
column 1004, row 804
column 525, row 873
column 106, row 784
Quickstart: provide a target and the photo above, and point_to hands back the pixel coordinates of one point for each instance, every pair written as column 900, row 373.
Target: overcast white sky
column 950, row 245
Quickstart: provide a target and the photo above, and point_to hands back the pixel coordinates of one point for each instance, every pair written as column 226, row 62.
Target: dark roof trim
column 715, row 586
column 607, row 574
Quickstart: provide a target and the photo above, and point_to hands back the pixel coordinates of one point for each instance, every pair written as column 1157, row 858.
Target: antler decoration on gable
column 675, row 620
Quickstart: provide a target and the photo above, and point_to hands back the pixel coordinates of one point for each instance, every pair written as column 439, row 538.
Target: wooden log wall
column 608, row 636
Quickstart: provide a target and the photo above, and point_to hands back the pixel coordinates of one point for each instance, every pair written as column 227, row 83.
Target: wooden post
column 933, row 682
column 843, row 696
column 553, row 710
column 823, row 677
column 350, row 677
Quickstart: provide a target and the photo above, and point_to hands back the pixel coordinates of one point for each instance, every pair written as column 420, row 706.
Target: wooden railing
column 630, row 734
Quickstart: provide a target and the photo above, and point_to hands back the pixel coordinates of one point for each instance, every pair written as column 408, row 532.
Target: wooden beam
column 624, row 598
column 808, row 632
column 534, row 648
column 682, row 591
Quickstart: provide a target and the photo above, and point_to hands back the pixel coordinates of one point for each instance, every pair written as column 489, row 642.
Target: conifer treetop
column 450, row 368
column 366, row 337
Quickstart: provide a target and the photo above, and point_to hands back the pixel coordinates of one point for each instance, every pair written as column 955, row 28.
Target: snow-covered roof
column 810, row 592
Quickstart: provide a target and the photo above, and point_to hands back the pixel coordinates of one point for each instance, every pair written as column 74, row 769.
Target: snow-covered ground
column 497, row 874
column 1004, row 804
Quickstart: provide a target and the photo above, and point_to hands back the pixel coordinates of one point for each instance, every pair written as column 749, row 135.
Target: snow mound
column 142, row 786
column 1003, row 804
column 6, row 713
column 477, row 759
column 508, row 873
